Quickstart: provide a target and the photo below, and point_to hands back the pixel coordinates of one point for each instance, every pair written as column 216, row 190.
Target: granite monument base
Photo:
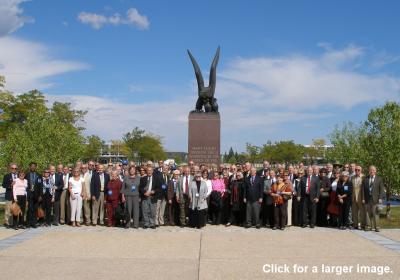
column 204, row 138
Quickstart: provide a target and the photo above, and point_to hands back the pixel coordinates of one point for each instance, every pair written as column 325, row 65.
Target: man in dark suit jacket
column 61, row 196
column 34, row 193
column 264, row 172
column 150, row 187
column 372, row 195
column 98, row 184
column 253, row 197
column 8, row 185
column 308, row 193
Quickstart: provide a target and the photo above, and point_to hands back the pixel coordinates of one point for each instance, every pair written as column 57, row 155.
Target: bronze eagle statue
column 206, row 97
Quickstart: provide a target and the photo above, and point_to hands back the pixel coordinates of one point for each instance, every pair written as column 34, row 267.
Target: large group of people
column 149, row 195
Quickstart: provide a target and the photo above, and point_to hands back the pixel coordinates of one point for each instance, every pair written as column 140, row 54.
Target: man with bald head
column 98, row 184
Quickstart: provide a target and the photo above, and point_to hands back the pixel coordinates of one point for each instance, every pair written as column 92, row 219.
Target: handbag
column 40, row 212
column 15, row 209
column 286, row 197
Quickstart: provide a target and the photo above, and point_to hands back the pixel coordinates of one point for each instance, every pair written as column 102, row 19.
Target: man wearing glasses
column 357, row 208
column 8, row 185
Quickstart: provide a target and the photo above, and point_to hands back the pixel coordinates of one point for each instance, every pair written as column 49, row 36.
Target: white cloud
column 302, row 83
column 35, row 68
column 97, row 21
column 137, row 19
column 11, row 17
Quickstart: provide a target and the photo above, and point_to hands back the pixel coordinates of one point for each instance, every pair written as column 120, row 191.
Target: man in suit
column 308, row 193
column 325, row 188
column 264, row 172
column 171, row 196
column 162, row 196
column 372, row 195
column 182, row 195
column 8, row 180
column 87, row 177
column 98, row 184
column 61, row 197
column 34, row 193
column 253, row 197
column 357, row 207
column 268, row 200
column 150, row 186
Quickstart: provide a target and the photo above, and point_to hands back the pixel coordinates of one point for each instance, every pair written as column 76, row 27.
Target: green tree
column 93, row 147
column 41, row 138
column 143, row 146
column 282, row 151
column 382, row 142
column 252, row 152
column 348, row 144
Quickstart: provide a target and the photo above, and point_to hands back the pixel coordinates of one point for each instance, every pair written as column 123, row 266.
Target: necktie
column 309, row 184
column 186, row 185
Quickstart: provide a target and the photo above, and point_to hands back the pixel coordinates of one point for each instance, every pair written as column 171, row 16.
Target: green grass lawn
column 393, row 222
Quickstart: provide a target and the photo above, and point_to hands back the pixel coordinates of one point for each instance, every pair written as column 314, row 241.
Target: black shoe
column 258, row 227
column 153, row 227
column 377, row 230
column 312, row 226
column 145, row 227
column 56, row 224
column 247, row 226
column 303, row 226
column 274, row 228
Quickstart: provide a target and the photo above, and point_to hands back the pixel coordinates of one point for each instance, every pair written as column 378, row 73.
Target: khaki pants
column 8, row 218
column 358, row 214
column 289, row 212
column 372, row 215
column 86, row 211
column 65, row 208
column 160, row 211
column 98, row 205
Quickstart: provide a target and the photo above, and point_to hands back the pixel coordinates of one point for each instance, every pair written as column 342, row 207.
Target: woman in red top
column 112, row 197
column 281, row 192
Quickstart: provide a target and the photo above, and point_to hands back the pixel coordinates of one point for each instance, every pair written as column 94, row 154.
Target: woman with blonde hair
column 75, row 187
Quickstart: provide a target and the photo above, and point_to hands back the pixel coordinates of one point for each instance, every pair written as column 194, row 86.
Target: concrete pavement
column 171, row 252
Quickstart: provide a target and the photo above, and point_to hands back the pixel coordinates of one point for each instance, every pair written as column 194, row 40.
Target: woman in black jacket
column 344, row 191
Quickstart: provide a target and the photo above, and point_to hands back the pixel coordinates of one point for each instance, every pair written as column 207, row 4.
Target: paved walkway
column 212, row 253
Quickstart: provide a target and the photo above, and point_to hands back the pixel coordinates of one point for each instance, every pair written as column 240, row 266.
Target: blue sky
column 288, row 69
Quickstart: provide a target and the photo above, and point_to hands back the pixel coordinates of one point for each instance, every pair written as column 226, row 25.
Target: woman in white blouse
column 75, row 187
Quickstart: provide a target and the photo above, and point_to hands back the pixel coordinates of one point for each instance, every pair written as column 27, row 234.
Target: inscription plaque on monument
column 205, row 125
column 204, row 137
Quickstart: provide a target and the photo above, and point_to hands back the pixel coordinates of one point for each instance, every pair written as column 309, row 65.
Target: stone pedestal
column 204, row 138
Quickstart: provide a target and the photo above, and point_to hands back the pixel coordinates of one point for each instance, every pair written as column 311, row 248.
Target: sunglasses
column 13, row 168
column 358, row 169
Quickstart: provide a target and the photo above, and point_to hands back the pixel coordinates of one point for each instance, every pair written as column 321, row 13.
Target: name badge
column 197, row 195
column 346, row 188
column 109, row 192
column 39, row 181
column 133, row 188
column 164, row 187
